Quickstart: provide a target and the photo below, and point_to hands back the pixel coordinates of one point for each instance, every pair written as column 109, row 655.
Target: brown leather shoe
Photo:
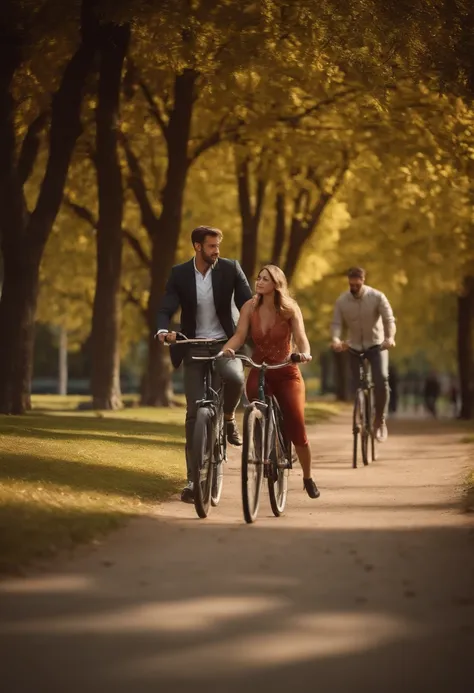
column 233, row 434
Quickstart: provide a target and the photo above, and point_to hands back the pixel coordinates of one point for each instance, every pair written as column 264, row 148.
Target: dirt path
column 370, row 588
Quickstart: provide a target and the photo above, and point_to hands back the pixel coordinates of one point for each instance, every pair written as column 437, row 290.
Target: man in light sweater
column 368, row 317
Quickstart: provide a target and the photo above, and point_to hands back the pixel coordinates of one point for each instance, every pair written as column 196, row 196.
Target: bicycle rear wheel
column 280, row 459
column 252, row 461
column 203, row 467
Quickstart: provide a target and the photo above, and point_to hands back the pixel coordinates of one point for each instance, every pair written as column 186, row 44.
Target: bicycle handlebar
column 184, row 340
column 294, row 358
column 362, row 353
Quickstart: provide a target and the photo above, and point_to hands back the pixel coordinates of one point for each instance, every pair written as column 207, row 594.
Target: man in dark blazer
column 205, row 288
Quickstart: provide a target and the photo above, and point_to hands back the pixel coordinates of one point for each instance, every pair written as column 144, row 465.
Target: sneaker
column 381, row 431
column 233, row 435
column 187, row 494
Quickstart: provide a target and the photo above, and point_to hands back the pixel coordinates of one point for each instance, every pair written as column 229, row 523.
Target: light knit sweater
column 369, row 318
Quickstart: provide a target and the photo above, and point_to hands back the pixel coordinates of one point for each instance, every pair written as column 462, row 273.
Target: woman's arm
column 242, row 330
column 299, row 333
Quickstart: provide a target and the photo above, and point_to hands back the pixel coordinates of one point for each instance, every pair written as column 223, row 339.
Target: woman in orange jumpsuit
column 272, row 318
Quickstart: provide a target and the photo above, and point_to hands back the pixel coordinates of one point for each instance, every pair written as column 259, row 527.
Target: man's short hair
column 199, row 234
column 356, row 273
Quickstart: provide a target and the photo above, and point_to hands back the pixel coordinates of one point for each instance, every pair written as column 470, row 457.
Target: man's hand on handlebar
column 168, row 337
column 228, row 354
column 338, row 346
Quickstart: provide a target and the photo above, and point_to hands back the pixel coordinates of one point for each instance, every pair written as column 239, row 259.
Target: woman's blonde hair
column 284, row 304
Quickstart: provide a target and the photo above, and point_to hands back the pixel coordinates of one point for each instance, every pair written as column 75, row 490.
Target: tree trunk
column 157, row 389
column 17, row 319
column 325, row 363
column 165, row 235
column 62, row 362
column 342, row 377
column 250, row 215
column 280, row 227
column 105, row 337
column 301, row 232
column 466, row 347
column 24, row 237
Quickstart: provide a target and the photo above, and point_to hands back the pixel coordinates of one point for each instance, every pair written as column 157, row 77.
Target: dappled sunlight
column 301, row 638
column 199, row 614
column 48, row 584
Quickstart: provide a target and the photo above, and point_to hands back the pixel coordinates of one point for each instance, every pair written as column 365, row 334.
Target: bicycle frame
column 364, row 395
column 214, row 400
column 267, row 405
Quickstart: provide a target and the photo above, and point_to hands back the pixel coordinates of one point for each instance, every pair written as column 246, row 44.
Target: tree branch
column 131, row 298
column 219, row 135
column 154, row 108
column 260, row 199
column 81, row 211
column 137, row 185
column 140, row 251
column 30, row 146
column 329, row 101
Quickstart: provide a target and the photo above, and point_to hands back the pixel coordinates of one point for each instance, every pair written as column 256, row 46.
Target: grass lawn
column 69, row 476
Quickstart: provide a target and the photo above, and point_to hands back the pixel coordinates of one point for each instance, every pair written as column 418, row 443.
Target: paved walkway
column 370, row 588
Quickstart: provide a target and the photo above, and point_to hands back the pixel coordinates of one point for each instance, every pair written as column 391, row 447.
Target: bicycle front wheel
column 219, row 459
column 356, row 429
column 359, row 429
column 203, row 467
column 279, row 472
column 217, row 484
column 371, row 425
column 252, row 461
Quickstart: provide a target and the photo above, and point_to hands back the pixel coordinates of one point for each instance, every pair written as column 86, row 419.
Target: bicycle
column 362, row 421
column 266, row 452
column 209, row 446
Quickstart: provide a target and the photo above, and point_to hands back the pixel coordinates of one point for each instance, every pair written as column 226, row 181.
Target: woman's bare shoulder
column 292, row 310
column 250, row 305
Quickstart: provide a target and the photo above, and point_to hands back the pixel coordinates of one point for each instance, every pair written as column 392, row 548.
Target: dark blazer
column 228, row 280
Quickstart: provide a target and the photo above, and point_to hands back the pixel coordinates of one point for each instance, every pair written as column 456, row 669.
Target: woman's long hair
column 284, row 304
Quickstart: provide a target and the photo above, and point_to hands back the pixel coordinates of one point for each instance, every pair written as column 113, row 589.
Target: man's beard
column 208, row 259
column 356, row 292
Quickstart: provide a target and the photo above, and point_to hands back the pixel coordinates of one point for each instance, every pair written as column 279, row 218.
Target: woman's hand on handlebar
column 228, row 353
column 304, row 358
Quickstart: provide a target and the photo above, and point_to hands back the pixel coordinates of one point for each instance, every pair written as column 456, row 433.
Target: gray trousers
column 230, row 371
column 379, row 366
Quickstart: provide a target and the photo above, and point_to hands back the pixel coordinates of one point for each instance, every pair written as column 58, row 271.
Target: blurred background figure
column 431, row 392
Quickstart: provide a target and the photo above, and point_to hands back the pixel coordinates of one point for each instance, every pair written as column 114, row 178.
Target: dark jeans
column 230, row 371
column 379, row 366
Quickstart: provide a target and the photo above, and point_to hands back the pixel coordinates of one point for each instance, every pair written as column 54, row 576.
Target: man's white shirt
column 208, row 325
